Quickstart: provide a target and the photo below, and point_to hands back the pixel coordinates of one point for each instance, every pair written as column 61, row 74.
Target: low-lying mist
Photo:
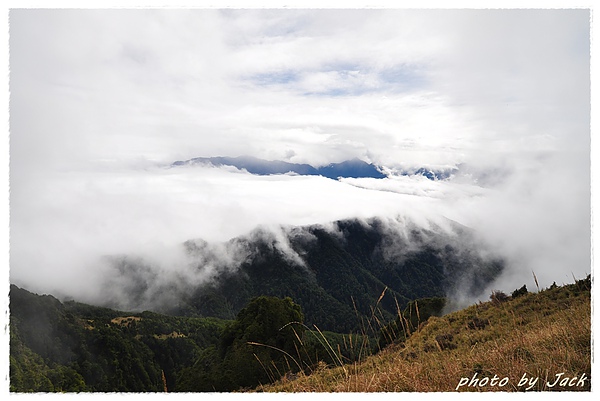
column 96, row 236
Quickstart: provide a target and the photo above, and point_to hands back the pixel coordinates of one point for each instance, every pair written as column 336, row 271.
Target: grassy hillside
column 524, row 342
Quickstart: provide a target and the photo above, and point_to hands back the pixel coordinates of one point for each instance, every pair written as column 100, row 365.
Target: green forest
column 73, row 347
column 340, row 277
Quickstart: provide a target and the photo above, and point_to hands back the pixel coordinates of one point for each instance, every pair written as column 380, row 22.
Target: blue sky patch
column 346, row 79
column 275, row 78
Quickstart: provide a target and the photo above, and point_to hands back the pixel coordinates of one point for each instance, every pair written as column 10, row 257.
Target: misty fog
column 103, row 101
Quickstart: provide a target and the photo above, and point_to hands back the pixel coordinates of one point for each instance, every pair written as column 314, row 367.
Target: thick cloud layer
column 103, row 100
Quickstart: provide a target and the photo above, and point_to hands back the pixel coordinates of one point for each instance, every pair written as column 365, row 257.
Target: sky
column 102, row 101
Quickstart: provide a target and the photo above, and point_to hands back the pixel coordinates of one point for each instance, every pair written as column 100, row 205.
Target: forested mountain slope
column 336, row 273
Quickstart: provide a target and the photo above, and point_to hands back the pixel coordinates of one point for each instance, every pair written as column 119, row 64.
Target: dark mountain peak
column 252, row 164
column 354, row 168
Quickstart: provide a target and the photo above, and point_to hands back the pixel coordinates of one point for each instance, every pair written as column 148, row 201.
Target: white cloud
column 99, row 95
column 69, row 221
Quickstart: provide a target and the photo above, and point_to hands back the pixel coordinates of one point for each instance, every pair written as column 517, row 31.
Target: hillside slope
column 73, row 347
column 336, row 273
column 500, row 345
column 528, row 342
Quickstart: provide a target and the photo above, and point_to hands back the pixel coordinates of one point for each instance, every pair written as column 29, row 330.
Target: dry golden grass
column 125, row 320
column 539, row 335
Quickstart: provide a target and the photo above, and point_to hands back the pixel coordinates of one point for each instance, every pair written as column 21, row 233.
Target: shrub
column 520, row 292
column 498, row 297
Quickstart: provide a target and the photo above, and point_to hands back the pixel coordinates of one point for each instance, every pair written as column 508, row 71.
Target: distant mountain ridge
column 354, row 168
